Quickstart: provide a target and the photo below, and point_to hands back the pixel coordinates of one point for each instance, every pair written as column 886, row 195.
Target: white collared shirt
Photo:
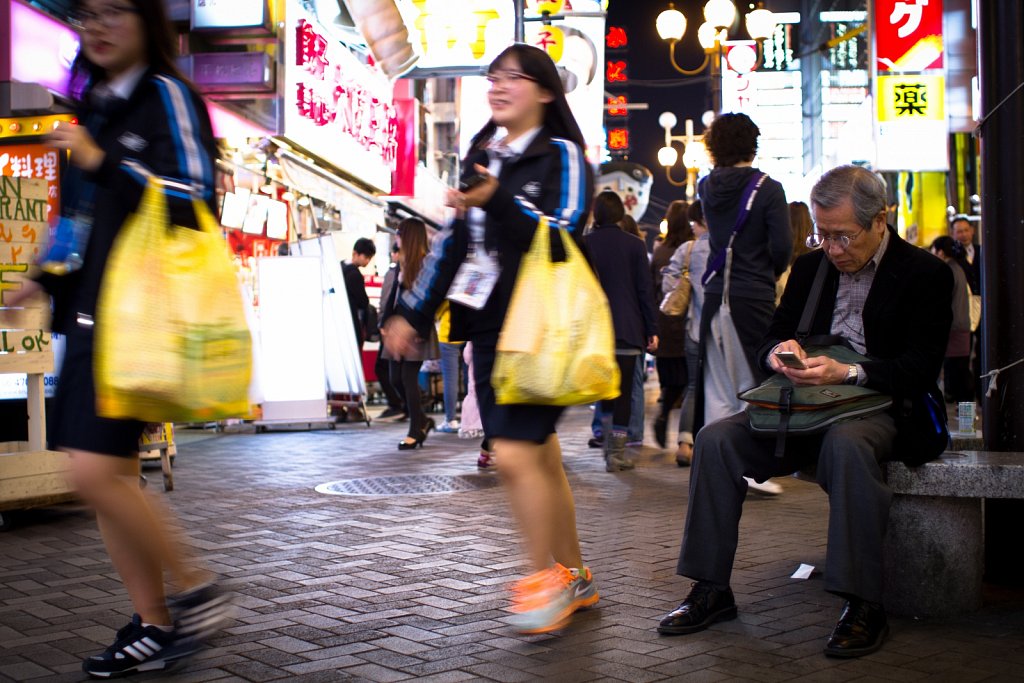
column 475, row 217
column 122, row 85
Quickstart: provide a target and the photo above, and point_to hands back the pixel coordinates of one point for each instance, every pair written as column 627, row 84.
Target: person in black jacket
column 363, row 252
column 139, row 119
column 892, row 302
column 620, row 262
column 536, row 169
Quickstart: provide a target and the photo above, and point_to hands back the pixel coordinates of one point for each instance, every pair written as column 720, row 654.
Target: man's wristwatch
column 851, row 375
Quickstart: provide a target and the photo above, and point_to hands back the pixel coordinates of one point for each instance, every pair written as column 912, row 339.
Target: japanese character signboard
column 908, row 35
column 23, row 232
column 912, row 128
column 335, row 106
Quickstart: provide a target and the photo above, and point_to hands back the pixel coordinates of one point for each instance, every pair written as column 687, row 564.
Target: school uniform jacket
column 163, row 130
column 551, row 178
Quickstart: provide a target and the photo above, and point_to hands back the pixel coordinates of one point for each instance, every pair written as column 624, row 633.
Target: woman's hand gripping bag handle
column 172, row 343
column 557, row 346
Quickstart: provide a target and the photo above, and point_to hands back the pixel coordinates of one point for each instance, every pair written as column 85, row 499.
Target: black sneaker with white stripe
column 136, row 648
column 199, row 614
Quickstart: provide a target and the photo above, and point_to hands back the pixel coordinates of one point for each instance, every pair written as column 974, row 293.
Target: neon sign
column 337, row 107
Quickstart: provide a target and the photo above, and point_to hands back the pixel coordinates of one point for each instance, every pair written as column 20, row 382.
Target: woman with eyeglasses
column 526, row 162
column 138, row 118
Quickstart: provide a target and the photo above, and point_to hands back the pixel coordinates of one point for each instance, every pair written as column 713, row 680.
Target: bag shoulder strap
column 803, row 329
column 746, row 202
column 689, row 254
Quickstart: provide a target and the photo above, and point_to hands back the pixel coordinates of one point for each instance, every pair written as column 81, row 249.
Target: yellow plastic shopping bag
column 172, row 343
column 557, row 345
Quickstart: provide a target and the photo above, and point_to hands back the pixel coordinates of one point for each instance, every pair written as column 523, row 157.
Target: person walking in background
column 363, row 252
column 697, row 254
column 761, row 249
column 968, row 253
column 956, row 371
column 127, row 87
column 671, row 354
column 635, row 432
column 537, row 169
column 620, row 261
column 801, row 226
column 451, row 364
column 382, row 367
column 405, row 369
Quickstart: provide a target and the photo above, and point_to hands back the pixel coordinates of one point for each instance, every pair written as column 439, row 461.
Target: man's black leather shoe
column 861, row 630
column 702, row 607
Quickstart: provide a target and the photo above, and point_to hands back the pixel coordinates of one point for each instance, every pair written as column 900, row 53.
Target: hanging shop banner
column 912, row 128
column 335, row 106
column 908, row 35
column 463, row 36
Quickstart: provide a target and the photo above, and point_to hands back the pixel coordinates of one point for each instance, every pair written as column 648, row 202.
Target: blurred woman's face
column 515, row 97
column 113, row 37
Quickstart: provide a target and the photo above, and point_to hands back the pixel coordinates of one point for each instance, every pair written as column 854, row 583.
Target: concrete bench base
column 934, row 556
column 934, row 553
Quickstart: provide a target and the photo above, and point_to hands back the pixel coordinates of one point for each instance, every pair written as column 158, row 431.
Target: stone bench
column 935, row 546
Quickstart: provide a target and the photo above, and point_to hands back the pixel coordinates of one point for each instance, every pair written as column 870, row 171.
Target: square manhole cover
column 407, row 485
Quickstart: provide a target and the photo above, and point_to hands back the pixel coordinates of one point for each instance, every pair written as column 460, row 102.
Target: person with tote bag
column 750, row 241
column 530, row 173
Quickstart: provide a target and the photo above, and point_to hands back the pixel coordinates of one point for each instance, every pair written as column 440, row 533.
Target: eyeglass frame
column 109, row 16
column 841, row 241
column 507, row 76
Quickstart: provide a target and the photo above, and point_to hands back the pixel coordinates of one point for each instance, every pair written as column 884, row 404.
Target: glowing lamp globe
column 760, row 24
column 671, row 24
column 708, row 35
column 720, row 13
column 667, row 120
column 667, row 156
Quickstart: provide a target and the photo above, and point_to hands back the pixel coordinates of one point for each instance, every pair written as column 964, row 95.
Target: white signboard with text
column 335, row 106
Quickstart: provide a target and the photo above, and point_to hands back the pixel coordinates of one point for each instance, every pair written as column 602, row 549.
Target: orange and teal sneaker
column 545, row 601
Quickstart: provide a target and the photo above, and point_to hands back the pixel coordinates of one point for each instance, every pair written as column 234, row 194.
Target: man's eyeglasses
column 502, row 77
column 816, row 239
column 107, row 17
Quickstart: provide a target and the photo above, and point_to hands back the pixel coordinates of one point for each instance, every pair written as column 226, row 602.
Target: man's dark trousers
column 848, row 469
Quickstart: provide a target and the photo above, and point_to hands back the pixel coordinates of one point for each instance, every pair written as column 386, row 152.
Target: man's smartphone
column 790, row 360
column 468, row 182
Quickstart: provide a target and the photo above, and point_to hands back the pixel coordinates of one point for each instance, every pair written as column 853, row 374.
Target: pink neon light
column 42, row 48
column 229, row 125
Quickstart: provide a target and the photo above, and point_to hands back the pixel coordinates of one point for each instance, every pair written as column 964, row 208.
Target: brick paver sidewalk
column 337, row 588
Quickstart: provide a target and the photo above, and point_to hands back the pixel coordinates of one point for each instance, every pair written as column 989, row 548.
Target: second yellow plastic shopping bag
column 172, row 343
column 557, row 345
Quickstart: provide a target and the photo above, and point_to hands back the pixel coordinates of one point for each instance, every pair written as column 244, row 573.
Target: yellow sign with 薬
column 911, row 98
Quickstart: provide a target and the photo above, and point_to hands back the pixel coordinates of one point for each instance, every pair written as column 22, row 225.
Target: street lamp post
column 694, row 153
column 719, row 16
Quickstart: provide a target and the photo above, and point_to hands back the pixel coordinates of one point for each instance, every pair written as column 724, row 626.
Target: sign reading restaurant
column 335, row 106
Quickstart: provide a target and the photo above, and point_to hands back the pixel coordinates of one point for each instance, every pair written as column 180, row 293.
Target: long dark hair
column 160, row 48
column 414, row 249
column 679, row 229
column 801, row 224
column 558, row 118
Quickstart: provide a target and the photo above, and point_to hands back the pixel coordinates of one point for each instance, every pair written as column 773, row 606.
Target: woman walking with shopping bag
column 531, row 173
column 138, row 119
